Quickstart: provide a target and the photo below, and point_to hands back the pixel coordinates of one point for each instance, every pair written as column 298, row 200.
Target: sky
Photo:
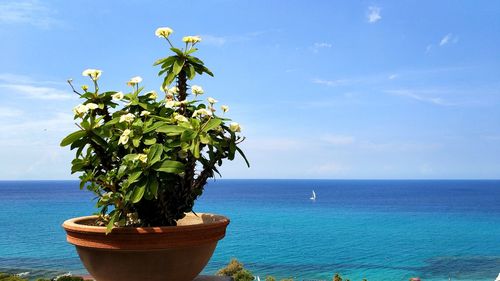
column 322, row 89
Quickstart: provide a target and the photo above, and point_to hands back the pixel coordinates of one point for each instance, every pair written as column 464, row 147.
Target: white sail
column 313, row 197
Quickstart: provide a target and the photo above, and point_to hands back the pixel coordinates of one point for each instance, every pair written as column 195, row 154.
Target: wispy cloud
column 445, row 40
column 420, row 96
column 330, row 83
column 393, row 76
column 32, row 12
column 449, row 38
column 338, row 139
column 30, row 88
column 318, row 46
column 374, row 14
column 10, row 112
column 218, row 41
column 213, row 40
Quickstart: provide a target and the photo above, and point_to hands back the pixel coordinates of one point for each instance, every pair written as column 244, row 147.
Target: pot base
column 172, row 253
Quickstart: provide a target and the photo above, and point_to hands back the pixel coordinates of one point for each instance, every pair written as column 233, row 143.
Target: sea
column 373, row 229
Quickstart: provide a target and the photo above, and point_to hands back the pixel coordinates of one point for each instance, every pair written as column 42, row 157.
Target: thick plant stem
column 182, row 85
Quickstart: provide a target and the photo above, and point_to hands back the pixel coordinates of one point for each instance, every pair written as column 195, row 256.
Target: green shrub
column 43, row 279
column 287, row 279
column 69, row 278
column 236, row 270
column 243, row 275
column 9, row 277
column 231, row 269
column 270, row 278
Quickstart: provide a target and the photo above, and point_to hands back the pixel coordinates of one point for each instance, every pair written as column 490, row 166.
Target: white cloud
column 374, row 14
column 213, row 40
column 392, row 76
column 330, row 83
column 445, row 39
column 318, row 46
column 10, row 112
column 36, row 92
column 19, row 85
column 420, row 96
column 338, row 139
column 218, row 41
column 31, row 12
column 329, row 168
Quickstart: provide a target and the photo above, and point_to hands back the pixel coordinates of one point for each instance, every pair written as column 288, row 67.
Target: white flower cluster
column 94, row 74
column 84, row 108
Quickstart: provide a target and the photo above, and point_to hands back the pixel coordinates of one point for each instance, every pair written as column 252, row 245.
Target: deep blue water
column 379, row 230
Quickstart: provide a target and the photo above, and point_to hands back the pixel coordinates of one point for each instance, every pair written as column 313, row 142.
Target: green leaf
column 133, row 177
column 195, row 149
column 153, row 185
column 165, row 61
column 138, row 191
column 243, row 155
column 113, row 216
column 136, row 142
column 150, row 141
column 232, row 149
column 171, row 129
column 195, row 60
column 177, row 51
column 190, row 72
column 169, row 79
column 178, row 64
column 212, row 124
column 170, row 166
column 153, row 127
column 188, row 135
column 192, row 50
column 73, row 137
column 207, row 71
column 154, row 154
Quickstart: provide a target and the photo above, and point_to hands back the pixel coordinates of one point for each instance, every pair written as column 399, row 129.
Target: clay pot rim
column 76, row 225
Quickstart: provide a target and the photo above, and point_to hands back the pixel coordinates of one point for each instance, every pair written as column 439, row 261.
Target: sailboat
column 313, row 197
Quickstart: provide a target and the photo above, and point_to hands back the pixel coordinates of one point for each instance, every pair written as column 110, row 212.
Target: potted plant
column 147, row 159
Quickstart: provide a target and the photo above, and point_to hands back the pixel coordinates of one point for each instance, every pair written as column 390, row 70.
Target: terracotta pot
column 172, row 253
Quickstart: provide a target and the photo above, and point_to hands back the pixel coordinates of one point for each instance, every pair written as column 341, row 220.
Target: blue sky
column 323, row 89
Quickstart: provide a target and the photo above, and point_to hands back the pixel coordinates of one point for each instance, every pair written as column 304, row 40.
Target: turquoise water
column 379, row 230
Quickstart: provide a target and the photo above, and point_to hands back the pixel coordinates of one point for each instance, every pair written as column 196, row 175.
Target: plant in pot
column 147, row 159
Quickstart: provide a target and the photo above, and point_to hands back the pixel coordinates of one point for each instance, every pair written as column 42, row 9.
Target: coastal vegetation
column 238, row 272
column 148, row 157
column 13, row 277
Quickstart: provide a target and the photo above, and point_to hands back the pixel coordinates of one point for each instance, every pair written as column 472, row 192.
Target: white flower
column 80, row 109
column 202, row 111
column 169, row 96
column 118, row 96
column 197, row 90
column 181, row 118
column 145, row 113
column 225, row 108
column 124, row 137
column 174, row 90
column 163, row 32
column 235, row 127
column 191, row 39
column 212, row 100
column 92, row 106
column 142, row 157
column 170, row 104
column 134, row 81
column 129, row 117
column 94, row 74
column 153, row 95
